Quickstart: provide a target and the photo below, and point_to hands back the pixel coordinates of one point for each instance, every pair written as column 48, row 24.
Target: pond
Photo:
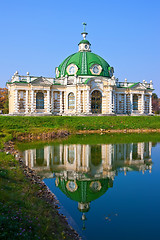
column 108, row 187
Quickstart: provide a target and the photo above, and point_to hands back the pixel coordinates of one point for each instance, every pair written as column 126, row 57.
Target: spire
column 84, row 45
column 84, row 219
column 84, row 33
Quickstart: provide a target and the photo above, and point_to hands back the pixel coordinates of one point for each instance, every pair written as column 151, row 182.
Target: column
column 125, row 151
column 52, row 101
column 109, row 153
column 61, row 107
column 65, row 154
column 32, row 159
column 48, row 155
column 26, row 111
column 48, row 101
column 16, row 101
column 32, row 101
column 75, row 108
column 26, row 157
column 78, row 156
column 131, row 151
column 114, row 103
column 131, row 103
column 142, row 103
column 125, row 102
column 64, row 102
column 61, row 153
column 66, row 158
column 83, row 101
column 142, row 150
column 110, row 101
column 150, row 104
column 86, row 164
column 75, row 154
column 117, row 102
column 79, row 101
column 88, row 102
column 150, row 148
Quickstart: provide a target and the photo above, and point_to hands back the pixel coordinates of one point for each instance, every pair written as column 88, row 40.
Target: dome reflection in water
column 84, row 173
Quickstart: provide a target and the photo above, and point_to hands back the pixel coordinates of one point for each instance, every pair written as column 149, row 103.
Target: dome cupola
column 84, row 62
column 84, row 45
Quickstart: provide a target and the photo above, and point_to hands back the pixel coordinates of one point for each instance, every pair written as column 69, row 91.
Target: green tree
column 4, row 103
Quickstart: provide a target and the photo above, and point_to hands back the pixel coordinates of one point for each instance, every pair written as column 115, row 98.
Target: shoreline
column 32, row 176
column 44, row 192
column 64, row 133
column 118, row 131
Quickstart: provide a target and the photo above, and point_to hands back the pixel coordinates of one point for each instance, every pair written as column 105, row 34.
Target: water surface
column 107, row 190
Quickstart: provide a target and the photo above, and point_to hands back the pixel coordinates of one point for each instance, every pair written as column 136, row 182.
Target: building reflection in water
column 85, row 172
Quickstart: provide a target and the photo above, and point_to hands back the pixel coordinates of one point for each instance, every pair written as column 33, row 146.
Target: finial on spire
column 84, row 34
column 84, row 25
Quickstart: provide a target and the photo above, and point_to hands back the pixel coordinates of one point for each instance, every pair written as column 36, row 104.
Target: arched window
column 40, row 100
column 71, row 101
column 135, row 102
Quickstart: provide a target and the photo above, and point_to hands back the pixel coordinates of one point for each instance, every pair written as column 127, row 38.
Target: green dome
column 84, row 41
column 84, row 61
column 84, row 192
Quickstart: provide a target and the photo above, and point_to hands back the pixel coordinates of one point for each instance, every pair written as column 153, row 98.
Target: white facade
column 84, row 84
column 114, row 97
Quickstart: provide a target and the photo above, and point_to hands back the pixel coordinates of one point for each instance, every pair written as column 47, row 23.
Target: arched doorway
column 96, row 102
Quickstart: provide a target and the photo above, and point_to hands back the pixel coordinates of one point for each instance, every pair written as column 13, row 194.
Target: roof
column 84, row 61
column 84, row 193
column 84, row 41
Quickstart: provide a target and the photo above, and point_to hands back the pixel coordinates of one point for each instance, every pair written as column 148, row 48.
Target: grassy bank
column 21, row 124
column 23, row 214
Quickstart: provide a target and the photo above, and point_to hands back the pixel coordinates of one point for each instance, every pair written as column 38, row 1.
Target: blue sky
column 36, row 36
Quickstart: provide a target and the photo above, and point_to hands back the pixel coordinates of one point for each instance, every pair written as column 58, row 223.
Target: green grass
column 22, row 214
column 26, row 124
column 13, row 126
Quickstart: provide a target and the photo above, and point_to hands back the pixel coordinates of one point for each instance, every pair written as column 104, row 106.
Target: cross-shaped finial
column 84, row 24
